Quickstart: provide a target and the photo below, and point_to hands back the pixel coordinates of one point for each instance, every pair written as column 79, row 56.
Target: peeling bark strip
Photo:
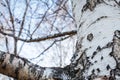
column 21, row 69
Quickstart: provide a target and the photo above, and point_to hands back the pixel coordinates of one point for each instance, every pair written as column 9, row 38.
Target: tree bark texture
column 21, row 69
column 97, row 55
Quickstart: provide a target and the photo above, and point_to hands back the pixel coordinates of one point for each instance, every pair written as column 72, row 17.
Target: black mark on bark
column 90, row 37
column 93, row 71
column 95, row 62
column 91, row 4
column 117, row 34
column 94, row 53
column 11, row 58
column 98, row 19
column 98, row 70
column 98, row 48
column 117, row 2
column 101, row 57
column 108, row 67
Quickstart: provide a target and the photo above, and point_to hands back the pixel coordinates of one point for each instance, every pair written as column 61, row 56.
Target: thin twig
column 23, row 20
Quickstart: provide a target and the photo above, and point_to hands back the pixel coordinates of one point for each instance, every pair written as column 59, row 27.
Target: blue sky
column 60, row 52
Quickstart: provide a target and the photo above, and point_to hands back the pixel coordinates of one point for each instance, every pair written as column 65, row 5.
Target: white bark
column 97, row 55
column 98, row 22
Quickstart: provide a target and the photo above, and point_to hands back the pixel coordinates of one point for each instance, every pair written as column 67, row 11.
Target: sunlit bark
column 97, row 55
column 98, row 43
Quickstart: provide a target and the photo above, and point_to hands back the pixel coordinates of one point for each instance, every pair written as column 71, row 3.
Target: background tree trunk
column 98, row 44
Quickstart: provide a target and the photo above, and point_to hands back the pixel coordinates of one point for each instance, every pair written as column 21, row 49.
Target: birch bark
column 98, row 43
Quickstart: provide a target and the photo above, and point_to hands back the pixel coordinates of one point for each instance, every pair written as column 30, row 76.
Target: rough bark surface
column 97, row 55
column 98, row 43
column 21, row 69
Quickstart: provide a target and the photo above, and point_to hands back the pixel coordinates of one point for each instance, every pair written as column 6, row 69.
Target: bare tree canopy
column 26, row 21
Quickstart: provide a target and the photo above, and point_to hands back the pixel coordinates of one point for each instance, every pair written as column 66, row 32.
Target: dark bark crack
column 91, row 4
column 98, row 19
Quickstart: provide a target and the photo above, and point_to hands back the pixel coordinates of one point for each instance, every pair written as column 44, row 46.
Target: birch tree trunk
column 21, row 69
column 97, row 54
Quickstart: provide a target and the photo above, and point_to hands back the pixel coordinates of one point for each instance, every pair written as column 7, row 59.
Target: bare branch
column 11, row 16
column 24, row 17
column 6, row 43
column 73, row 32
column 13, row 26
column 50, row 47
